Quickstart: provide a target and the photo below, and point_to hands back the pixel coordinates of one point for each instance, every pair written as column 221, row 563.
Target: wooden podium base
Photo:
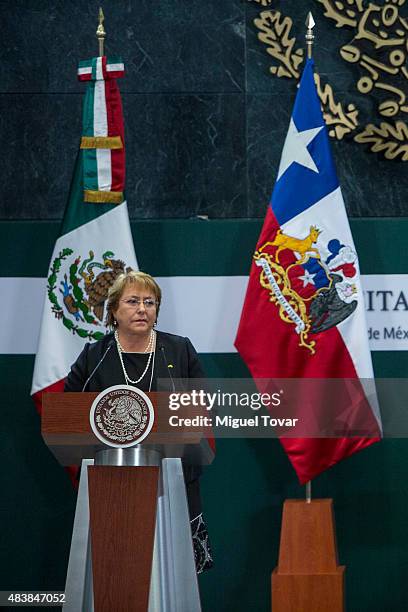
column 308, row 577
column 122, row 503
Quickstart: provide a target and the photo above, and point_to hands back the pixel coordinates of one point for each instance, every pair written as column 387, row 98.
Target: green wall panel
column 37, row 499
column 191, row 247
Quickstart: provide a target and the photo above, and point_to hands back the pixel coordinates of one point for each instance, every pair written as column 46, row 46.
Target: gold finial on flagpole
column 100, row 32
column 310, row 24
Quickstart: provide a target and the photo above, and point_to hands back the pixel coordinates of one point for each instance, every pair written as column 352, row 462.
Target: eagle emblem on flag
column 311, row 284
column 78, row 288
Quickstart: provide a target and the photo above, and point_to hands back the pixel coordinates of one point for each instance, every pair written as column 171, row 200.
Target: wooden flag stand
column 308, row 577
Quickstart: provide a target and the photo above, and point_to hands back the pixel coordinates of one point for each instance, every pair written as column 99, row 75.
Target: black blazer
column 171, row 350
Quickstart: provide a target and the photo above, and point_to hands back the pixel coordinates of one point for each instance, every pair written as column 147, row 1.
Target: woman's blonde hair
column 142, row 279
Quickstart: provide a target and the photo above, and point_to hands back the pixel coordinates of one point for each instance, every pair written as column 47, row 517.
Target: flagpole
column 310, row 23
column 100, row 32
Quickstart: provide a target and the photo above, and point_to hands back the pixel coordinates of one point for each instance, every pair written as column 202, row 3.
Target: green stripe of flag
column 85, row 64
column 88, row 129
column 94, row 66
column 77, row 211
column 114, row 60
column 88, row 111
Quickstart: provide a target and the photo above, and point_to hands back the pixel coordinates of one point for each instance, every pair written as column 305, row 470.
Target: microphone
column 163, row 352
column 97, row 365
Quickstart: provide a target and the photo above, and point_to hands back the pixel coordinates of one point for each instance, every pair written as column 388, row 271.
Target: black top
column 135, row 364
column 99, row 362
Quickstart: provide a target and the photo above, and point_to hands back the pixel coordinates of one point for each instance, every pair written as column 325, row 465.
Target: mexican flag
column 95, row 243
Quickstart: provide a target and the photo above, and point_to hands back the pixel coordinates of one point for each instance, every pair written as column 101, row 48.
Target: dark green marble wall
column 205, row 120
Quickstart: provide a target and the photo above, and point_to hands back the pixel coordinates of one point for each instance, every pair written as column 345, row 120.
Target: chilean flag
column 303, row 315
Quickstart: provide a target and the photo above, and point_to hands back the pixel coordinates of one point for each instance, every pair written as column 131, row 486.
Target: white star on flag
column 307, row 278
column 295, row 148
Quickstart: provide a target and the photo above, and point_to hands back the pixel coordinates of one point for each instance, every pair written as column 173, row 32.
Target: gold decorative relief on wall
column 389, row 139
column 339, row 122
column 378, row 48
column 274, row 32
column 344, row 13
column 263, row 2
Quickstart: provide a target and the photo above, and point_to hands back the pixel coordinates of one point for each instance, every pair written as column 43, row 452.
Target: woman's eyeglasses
column 135, row 302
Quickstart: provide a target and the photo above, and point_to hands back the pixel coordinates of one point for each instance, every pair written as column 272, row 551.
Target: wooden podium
column 131, row 547
column 308, row 577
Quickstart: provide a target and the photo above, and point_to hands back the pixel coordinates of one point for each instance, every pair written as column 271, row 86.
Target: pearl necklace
column 150, row 348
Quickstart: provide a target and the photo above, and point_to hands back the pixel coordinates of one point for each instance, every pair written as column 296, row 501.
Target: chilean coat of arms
column 313, row 288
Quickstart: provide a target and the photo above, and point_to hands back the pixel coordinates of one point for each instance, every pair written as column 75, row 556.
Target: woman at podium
column 137, row 354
